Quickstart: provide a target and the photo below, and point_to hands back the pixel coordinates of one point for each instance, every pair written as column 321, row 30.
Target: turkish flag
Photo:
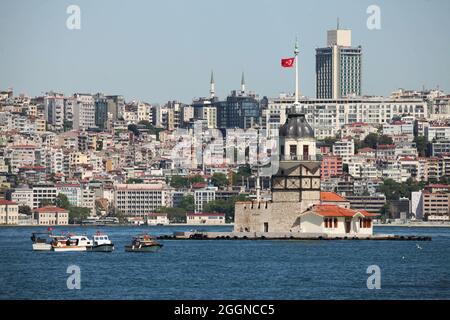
column 287, row 63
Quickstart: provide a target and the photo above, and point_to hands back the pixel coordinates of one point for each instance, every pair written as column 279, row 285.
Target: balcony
column 301, row 158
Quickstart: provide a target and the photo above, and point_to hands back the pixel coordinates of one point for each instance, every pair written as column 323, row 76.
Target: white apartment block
column 203, row 196
column 54, row 110
column 399, row 128
column 33, row 197
column 84, row 112
column 437, row 133
column 328, row 116
column 21, row 155
column 141, row 199
column 345, row 149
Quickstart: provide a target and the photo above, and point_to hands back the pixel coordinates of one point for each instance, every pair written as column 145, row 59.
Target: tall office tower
column 101, row 111
column 338, row 66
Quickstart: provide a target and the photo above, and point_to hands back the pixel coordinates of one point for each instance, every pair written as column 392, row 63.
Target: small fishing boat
column 101, row 243
column 42, row 241
column 71, row 243
column 143, row 243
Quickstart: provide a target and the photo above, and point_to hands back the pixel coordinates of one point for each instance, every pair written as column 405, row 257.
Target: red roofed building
column 9, row 212
column 51, row 216
column 335, row 220
column 333, row 198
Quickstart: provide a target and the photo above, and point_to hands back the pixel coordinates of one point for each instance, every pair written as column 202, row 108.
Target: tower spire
column 243, row 83
column 212, row 88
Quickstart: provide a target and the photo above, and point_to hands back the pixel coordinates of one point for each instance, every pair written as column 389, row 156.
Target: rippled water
column 229, row 269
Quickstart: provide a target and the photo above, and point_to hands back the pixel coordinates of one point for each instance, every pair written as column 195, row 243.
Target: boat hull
column 42, row 247
column 102, row 248
column 69, row 249
column 152, row 248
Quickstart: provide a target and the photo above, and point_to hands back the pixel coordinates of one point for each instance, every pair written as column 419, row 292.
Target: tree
column 179, row 182
column 219, row 179
column 187, row 203
column 62, row 201
column 243, row 172
column 151, row 129
column 118, row 214
column 77, row 214
column 196, row 179
column 175, row 215
column 329, row 141
column 25, row 210
column 394, row 190
column 133, row 128
column 225, row 206
column 383, row 139
column 371, row 141
column 421, row 145
column 46, row 202
column 135, row 181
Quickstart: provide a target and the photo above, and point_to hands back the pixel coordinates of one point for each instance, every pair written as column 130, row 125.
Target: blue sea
column 232, row 269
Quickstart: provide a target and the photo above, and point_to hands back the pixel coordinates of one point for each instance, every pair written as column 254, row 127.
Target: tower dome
column 296, row 127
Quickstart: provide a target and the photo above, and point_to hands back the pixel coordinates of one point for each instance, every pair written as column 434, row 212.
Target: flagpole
column 296, row 72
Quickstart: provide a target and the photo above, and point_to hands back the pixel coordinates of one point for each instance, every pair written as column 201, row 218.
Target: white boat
column 72, row 243
column 101, row 243
column 42, row 241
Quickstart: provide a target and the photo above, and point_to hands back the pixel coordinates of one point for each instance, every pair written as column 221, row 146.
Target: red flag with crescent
column 287, row 63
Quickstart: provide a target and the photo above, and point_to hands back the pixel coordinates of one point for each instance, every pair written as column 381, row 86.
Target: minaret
column 242, row 84
column 212, row 88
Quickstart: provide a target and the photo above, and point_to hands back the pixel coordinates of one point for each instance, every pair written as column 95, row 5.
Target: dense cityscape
column 96, row 158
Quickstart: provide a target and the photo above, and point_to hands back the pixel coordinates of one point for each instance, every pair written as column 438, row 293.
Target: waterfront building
column 141, row 199
column 51, row 216
column 9, row 212
column 155, row 219
column 338, row 66
column 205, row 218
column 203, row 196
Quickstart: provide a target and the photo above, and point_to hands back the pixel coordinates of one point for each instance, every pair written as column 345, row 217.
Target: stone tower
column 295, row 187
column 298, row 178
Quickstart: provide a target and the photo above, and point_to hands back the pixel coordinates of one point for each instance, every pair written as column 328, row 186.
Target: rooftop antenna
column 337, row 23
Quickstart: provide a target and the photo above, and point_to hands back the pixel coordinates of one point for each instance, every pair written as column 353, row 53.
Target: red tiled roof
column 331, row 196
column 6, row 202
column 199, row 185
column 50, row 209
column 331, row 210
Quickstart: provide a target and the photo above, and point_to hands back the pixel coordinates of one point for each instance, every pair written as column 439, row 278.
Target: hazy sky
column 162, row 50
